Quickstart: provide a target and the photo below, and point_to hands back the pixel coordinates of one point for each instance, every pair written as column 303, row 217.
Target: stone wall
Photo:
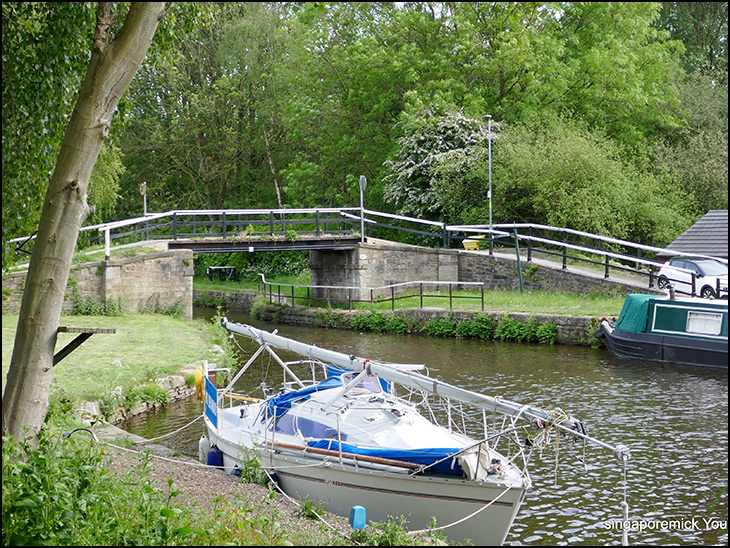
column 502, row 273
column 571, row 330
column 156, row 281
column 380, row 263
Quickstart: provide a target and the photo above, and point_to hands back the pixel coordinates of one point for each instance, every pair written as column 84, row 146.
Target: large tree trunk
column 111, row 69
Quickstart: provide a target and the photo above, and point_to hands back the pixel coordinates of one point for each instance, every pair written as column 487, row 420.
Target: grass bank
column 117, row 369
column 528, row 302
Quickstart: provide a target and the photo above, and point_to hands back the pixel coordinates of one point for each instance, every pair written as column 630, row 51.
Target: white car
column 695, row 276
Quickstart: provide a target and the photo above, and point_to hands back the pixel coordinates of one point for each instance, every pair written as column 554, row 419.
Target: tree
column 435, row 157
column 43, row 68
column 114, row 60
column 702, row 27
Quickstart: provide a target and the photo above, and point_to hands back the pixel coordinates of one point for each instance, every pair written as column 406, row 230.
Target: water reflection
column 674, row 418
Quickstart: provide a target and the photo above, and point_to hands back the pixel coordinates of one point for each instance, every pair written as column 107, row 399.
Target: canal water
column 674, row 419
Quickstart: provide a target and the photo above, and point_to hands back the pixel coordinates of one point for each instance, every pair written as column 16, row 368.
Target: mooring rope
column 464, row 518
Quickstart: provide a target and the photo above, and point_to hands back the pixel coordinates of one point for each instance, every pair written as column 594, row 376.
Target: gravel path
column 202, row 487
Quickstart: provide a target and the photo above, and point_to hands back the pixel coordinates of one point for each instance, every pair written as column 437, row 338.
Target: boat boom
column 404, row 374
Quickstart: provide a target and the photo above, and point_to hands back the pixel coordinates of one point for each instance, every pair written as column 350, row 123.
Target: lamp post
column 489, row 195
column 363, row 184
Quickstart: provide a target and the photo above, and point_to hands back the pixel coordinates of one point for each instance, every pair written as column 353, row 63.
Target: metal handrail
column 158, row 225
column 350, row 289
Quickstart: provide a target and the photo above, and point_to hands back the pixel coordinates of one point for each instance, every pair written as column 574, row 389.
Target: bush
column 482, row 327
column 60, row 494
column 547, row 333
column 373, row 321
column 533, row 331
column 397, row 324
column 441, row 327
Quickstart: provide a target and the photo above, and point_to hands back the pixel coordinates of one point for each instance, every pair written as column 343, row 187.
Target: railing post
column 529, row 245
column 451, row 300
column 392, row 298
column 694, row 284
column 565, row 251
column 420, row 291
column 606, row 275
column 271, row 223
column 445, row 237
column 482, row 296
column 224, row 225
column 651, row 275
column 317, row 222
column 174, row 226
column 349, row 298
column 107, row 244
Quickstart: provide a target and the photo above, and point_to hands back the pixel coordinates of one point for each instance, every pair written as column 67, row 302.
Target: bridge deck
column 306, row 243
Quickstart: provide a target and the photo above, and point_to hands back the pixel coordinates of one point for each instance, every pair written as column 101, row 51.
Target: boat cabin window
column 704, row 322
column 368, row 385
column 288, row 424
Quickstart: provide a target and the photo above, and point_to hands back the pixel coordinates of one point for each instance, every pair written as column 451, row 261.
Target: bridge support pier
column 377, row 263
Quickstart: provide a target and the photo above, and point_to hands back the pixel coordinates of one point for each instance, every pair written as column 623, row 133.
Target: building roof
column 708, row 236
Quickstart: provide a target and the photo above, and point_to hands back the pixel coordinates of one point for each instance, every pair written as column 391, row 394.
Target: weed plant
column 63, row 493
column 481, row 327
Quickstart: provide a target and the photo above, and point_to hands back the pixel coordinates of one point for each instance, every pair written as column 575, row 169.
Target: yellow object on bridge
column 472, row 244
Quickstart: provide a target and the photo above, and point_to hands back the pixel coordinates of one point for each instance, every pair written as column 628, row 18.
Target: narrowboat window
column 704, row 322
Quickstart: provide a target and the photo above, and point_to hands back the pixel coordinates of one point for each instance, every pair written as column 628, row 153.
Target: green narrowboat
column 689, row 331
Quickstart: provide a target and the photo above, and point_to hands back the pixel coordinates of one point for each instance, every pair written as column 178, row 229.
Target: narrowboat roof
column 635, row 314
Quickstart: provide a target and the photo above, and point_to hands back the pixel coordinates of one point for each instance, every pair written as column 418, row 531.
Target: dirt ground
column 202, row 487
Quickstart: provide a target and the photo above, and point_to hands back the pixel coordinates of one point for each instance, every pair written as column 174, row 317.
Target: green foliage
column 250, row 265
column 554, row 171
column 547, row 333
column 104, row 183
column 207, row 300
column 89, row 306
column 595, row 125
column 310, row 510
column 61, row 494
column 482, row 327
column 391, row 532
column 695, row 159
column 702, row 28
column 436, row 151
column 251, row 469
column 373, row 321
column 154, row 393
column 440, row 327
column 45, row 55
column 326, row 318
column 396, row 323
column 532, row 331
column 508, row 329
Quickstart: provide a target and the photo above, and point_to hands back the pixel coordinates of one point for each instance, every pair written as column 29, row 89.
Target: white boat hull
column 419, row 499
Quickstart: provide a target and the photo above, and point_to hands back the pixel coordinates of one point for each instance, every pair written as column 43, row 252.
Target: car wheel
column 707, row 293
column 663, row 282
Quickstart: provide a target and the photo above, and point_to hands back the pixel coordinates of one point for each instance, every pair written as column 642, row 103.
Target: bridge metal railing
column 284, row 293
column 582, row 248
column 611, row 255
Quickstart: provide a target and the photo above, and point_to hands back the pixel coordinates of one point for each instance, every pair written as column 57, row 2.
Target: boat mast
column 404, row 374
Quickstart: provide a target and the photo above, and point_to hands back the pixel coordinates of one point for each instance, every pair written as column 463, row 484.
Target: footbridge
column 360, row 252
